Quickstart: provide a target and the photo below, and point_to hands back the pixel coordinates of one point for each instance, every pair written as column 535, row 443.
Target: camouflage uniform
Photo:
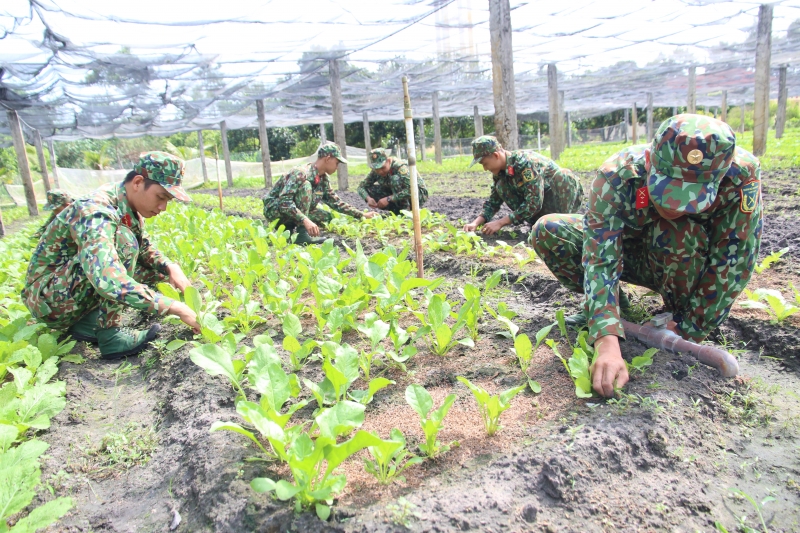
column 96, row 254
column 699, row 262
column 297, row 195
column 56, row 200
column 396, row 184
column 532, row 185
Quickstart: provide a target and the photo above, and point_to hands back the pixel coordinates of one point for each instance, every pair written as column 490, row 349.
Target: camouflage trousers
column 66, row 294
column 376, row 192
column 318, row 216
column 666, row 256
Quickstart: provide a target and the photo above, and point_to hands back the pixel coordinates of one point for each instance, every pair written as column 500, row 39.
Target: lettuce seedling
column 641, row 362
column 578, row 365
column 769, row 260
column 492, row 406
column 523, row 348
column 441, row 336
column 431, row 421
column 390, row 459
column 243, row 310
column 776, row 305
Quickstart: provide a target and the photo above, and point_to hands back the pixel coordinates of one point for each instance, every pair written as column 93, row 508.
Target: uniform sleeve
column 401, row 185
column 532, row 191
column 493, row 204
column 97, row 254
column 362, row 187
column 602, row 259
column 734, row 242
column 287, row 208
column 333, row 201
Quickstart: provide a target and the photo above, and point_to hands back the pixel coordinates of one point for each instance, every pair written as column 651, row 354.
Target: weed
column 401, row 512
column 132, row 446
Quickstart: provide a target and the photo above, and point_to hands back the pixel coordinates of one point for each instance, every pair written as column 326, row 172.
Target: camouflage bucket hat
column 332, row 149
column 377, row 158
column 483, row 146
column 165, row 169
column 57, row 198
column 689, row 157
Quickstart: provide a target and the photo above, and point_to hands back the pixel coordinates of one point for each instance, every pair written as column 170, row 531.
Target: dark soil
column 662, row 458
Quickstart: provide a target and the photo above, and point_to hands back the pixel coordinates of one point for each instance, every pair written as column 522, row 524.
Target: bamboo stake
column 219, row 183
column 412, row 167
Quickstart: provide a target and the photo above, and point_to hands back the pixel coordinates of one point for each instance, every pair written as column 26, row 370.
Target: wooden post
column 422, row 138
column 338, row 120
column 761, row 99
column 367, row 139
column 569, row 131
column 505, row 103
column 201, row 147
column 323, row 138
column 219, row 182
column 411, row 152
column 2, row 226
column 226, row 153
column 650, row 130
column 635, row 124
column 437, row 129
column 554, row 122
column 37, row 142
column 691, row 97
column 674, row 111
column 626, row 120
column 561, row 120
column 783, row 96
column 22, row 162
column 53, row 162
column 478, row 122
column 264, row 141
column 723, row 110
column 538, row 136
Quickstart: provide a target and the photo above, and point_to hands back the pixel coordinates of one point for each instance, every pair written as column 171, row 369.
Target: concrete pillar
column 437, row 129
column 226, row 153
column 635, row 124
column 22, row 161
column 53, row 162
column 723, row 110
column 505, row 104
column 201, row 147
column 650, row 126
column 691, row 97
column 783, row 96
column 741, row 123
column 323, row 138
column 761, row 99
column 554, row 120
column 422, row 139
column 478, row 122
column 338, row 120
column 264, row 142
column 626, row 120
column 367, row 139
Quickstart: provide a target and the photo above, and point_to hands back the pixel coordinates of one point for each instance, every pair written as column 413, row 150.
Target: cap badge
column 694, row 157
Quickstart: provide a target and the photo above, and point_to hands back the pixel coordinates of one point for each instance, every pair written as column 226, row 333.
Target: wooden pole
column 202, row 149
column 37, row 142
column 723, row 110
column 691, row 97
column 478, row 122
column 741, row 122
column 554, row 122
column 219, row 182
column 783, row 96
column 422, row 138
column 367, row 139
column 53, row 162
column 2, row 226
column 538, row 136
column 650, row 130
column 626, row 119
column 635, row 124
column 569, row 129
column 761, row 99
column 22, row 162
column 323, row 138
column 505, row 103
column 437, row 129
column 264, row 142
column 226, row 153
column 674, row 111
column 412, row 167
column 338, row 120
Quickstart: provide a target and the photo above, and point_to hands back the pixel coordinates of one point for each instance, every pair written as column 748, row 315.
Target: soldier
column 531, row 184
column 57, row 201
column 94, row 259
column 294, row 198
column 681, row 217
column 390, row 182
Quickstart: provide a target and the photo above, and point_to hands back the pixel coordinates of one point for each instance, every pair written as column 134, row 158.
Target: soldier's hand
column 371, row 202
column 383, row 202
column 471, row 227
column 369, row 214
column 492, row 227
column 311, row 228
column 177, row 278
column 187, row 316
column 609, row 370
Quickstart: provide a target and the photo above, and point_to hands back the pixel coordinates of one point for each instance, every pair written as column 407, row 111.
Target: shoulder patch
column 527, row 175
column 749, row 196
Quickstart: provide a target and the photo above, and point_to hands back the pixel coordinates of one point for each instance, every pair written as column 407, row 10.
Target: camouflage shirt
column 398, row 180
column 87, row 229
column 613, row 224
column 528, row 177
column 304, row 180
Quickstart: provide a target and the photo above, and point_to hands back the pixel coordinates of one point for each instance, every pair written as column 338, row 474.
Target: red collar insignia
column 126, row 220
column 316, row 179
column 642, row 197
column 510, row 171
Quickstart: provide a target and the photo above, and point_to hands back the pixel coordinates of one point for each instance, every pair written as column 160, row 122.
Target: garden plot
column 134, row 447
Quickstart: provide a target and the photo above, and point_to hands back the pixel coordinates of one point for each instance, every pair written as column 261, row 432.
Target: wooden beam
column 505, row 105
column 761, row 99
column 437, row 129
column 37, row 142
column 650, row 130
column 478, row 122
column 723, row 110
column 783, row 96
column 22, row 161
column 635, row 124
column 338, row 120
column 422, row 138
column 53, row 162
column 202, row 149
column 691, row 97
column 367, row 139
column 226, row 152
column 554, row 116
column 264, row 142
